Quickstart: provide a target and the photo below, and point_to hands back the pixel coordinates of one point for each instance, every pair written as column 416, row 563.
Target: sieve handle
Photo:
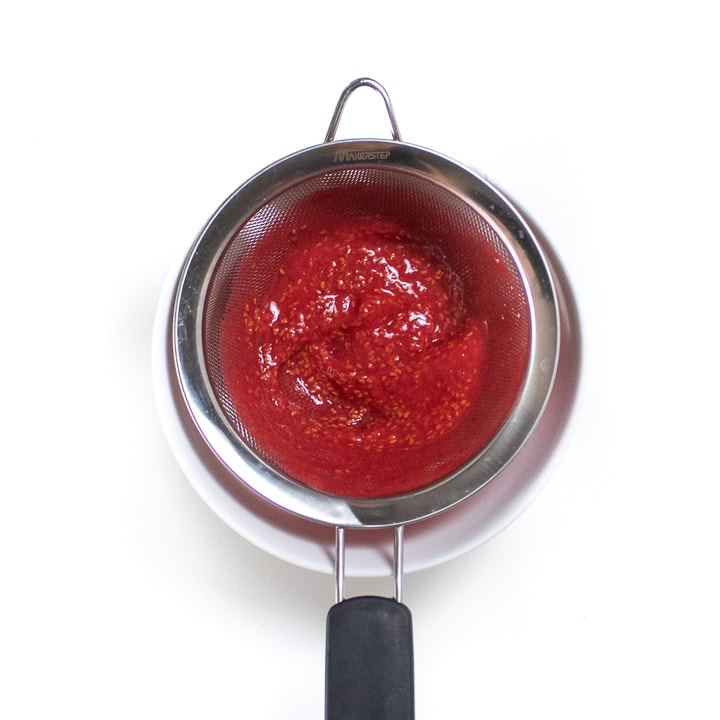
column 347, row 92
column 369, row 660
column 369, row 649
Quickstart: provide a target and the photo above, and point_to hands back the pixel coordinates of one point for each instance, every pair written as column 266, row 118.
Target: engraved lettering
column 355, row 155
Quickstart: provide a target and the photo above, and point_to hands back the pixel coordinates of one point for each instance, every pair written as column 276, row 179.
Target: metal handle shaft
column 398, row 562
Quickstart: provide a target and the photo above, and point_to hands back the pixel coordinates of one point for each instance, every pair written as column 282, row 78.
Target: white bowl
column 369, row 552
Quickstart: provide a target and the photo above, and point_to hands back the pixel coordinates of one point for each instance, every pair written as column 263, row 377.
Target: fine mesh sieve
column 444, row 210
column 381, row 449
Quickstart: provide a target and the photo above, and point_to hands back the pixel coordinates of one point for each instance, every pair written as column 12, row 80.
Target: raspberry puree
column 353, row 369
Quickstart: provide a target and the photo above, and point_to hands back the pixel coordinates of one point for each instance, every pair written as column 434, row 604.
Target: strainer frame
column 240, row 459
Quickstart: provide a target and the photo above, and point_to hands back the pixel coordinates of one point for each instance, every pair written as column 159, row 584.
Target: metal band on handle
column 362, row 82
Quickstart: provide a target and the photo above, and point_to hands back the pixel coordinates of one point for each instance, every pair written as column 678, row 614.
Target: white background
column 125, row 125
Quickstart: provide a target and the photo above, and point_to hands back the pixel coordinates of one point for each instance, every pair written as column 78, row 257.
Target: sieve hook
column 362, row 82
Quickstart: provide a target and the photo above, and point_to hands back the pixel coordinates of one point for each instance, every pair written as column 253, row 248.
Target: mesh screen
column 438, row 222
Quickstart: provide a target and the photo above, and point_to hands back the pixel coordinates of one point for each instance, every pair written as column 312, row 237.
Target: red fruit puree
column 352, row 371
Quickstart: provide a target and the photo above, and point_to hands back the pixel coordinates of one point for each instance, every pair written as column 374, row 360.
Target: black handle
column 369, row 661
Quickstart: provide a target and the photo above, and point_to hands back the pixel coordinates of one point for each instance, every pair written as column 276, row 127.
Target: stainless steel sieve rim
column 188, row 351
